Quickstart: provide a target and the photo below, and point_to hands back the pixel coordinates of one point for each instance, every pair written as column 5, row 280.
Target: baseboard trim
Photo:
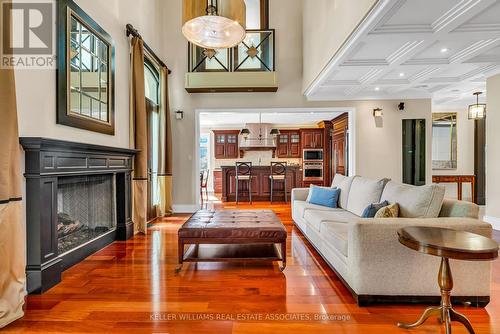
column 494, row 221
column 184, row 208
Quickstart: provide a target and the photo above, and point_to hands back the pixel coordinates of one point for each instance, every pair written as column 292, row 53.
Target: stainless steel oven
column 313, row 155
column 313, row 171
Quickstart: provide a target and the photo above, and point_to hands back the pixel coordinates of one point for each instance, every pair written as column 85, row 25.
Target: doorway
column 222, row 128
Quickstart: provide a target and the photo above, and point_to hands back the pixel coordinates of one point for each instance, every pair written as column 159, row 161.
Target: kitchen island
column 261, row 184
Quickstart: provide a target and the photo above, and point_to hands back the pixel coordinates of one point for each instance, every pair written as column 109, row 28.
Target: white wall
column 465, row 155
column 379, row 148
column 493, row 152
column 36, row 89
column 327, row 24
column 286, row 18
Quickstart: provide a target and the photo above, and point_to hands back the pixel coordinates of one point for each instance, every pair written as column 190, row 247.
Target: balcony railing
column 254, row 54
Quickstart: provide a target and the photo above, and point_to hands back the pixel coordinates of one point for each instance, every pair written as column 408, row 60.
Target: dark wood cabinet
column 217, row 181
column 226, row 144
column 283, row 144
column 340, row 144
column 289, row 144
column 312, row 138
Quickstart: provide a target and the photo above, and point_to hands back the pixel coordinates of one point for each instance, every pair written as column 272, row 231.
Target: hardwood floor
column 131, row 287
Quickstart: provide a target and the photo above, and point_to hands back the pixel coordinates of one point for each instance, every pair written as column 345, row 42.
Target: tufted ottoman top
column 256, row 225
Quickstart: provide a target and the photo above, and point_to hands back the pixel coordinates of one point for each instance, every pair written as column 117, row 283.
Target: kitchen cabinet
column 289, row 144
column 340, row 144
column 217, row 181
column 311, row 138
column 226, row 144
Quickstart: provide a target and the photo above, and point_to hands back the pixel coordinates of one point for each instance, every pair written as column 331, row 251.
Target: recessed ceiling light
column 443, row 50
column 377, row 88
column 401, row 74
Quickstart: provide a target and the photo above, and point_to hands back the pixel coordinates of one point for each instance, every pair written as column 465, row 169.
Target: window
column 257, row 14
column 152, row 82
column 204, row 145
column 153, row 99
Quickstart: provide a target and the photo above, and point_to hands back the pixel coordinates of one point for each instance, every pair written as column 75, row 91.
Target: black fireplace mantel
column 46, row 160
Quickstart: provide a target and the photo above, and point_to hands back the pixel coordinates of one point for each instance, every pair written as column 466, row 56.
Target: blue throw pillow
column 324, row 196
column 372, row 209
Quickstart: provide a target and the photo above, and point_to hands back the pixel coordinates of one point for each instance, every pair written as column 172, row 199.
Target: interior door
column 414, row 151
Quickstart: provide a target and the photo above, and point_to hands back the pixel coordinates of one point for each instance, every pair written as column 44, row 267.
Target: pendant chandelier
column 245, row 132
column 478, row 110
column 214, row 24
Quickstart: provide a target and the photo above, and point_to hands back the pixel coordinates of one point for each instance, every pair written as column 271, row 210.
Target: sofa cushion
column 314, row 217
column 363, row 192
column 324, row 196
column 335, row 234
column 344, row 184
column 302, row 206
column 415, row 202
column 373, row 208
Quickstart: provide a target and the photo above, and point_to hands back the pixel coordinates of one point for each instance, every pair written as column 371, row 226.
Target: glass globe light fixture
column 214, row 24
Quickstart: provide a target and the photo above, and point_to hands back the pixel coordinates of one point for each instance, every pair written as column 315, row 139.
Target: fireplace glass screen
column 85, row 209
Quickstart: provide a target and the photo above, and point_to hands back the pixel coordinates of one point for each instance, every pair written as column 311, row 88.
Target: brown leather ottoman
column 222, row 236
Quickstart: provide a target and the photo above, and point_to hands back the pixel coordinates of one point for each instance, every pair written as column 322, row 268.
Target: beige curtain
column 139, row 136
column 12, row 240
column 165, row 168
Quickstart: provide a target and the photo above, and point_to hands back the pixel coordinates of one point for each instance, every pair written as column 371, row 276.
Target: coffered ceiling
column 443, row 49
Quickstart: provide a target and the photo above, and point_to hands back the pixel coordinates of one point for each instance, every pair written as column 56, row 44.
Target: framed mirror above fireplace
column 85, row 84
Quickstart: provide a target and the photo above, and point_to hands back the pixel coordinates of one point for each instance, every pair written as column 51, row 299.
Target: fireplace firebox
column 78, row 200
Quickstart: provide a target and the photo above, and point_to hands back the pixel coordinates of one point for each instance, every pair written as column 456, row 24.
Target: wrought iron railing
column 254, row 54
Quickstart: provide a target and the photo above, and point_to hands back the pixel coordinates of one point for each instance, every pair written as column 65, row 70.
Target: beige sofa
column 366, row 254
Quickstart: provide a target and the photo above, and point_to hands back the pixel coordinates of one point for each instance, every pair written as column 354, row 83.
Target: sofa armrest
column 375, row 255
column 299, row 194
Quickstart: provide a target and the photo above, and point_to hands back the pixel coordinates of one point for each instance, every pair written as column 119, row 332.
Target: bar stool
column 244, row 173
column 278, row 173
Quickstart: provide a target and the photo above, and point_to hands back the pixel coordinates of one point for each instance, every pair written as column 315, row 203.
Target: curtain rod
column 132, row 31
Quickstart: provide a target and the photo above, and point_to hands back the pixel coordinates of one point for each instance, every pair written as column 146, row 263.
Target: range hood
column 259, row 138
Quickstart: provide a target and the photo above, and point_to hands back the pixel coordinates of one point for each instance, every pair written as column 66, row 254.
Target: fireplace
column 78, row 200
column 85, row 209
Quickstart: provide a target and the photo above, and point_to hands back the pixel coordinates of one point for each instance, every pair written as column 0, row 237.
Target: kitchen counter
column 261, row 184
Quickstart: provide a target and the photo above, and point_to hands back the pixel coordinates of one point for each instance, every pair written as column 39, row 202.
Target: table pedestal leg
column 445, row 312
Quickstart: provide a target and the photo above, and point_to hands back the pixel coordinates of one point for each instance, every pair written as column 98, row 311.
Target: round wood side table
column 447, row 244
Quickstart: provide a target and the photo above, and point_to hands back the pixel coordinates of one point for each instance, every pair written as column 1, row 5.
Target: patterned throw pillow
column 391, row 211
column 372, row 209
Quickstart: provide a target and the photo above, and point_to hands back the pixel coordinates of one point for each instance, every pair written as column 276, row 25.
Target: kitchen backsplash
column 257, row 158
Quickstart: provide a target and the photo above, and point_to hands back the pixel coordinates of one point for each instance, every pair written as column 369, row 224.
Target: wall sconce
column 275, row 132
column 377, row 112
column 245, row 133
column 179, row 114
